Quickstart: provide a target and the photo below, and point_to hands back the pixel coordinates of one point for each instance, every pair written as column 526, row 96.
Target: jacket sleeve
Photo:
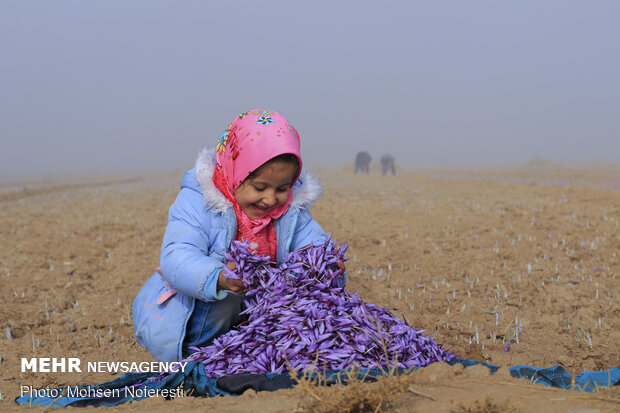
column 308, row 231
column 185, row 260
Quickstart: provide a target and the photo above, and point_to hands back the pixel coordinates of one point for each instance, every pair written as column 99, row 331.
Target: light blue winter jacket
column 201, row 225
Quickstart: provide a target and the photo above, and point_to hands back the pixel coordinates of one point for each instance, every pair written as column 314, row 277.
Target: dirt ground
column 479, row 258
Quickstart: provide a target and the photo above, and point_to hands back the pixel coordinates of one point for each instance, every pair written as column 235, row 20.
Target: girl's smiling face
column 266, row 190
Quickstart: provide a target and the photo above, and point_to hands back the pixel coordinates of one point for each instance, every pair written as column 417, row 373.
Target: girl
column 249, row 188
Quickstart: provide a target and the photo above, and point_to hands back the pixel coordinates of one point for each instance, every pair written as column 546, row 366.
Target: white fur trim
column 205, row 167
column 307, row 193
column 304, row 195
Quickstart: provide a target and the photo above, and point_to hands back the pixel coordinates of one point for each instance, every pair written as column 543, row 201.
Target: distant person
column 387, row 164
column 362, row 161
column 250, row 187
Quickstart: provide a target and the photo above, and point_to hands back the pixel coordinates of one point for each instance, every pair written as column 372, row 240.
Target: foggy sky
column 140, row 86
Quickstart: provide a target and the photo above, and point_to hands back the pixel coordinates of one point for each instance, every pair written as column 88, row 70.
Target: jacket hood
column 306, row 190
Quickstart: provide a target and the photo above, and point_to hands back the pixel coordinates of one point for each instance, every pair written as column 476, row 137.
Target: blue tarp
column 137, row 386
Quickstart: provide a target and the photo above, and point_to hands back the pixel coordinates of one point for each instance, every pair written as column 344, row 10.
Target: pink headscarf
column 252, row 139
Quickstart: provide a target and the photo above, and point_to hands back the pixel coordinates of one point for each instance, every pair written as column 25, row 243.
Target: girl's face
column 269, row 188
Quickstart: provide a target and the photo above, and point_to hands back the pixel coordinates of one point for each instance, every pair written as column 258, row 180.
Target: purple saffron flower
column 298, row 315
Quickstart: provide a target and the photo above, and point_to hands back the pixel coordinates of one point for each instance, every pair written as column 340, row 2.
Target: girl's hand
column 235, row 286
column 342, row 266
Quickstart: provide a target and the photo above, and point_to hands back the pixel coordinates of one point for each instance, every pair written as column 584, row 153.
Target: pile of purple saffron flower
column 300, row 315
